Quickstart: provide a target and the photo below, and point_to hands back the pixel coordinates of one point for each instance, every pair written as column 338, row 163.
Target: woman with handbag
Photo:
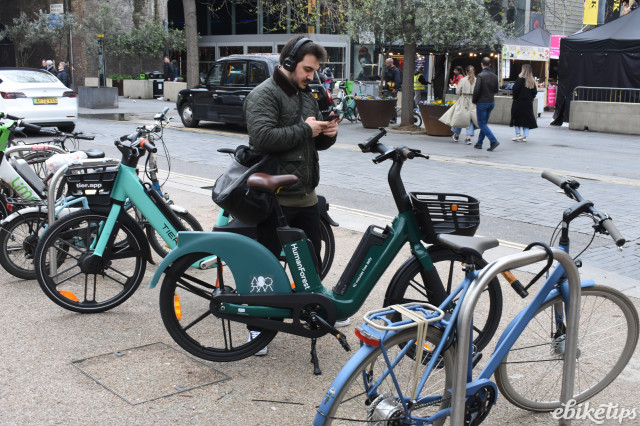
column 463, row 113
column 522, row 116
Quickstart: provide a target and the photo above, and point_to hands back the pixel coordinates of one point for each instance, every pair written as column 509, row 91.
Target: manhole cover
column 149, row 372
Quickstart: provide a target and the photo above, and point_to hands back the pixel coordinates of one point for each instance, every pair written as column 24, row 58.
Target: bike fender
column 19, row 213
column 323, row 206
column 249, row 261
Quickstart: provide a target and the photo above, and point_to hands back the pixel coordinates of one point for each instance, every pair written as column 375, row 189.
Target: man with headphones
column 283, row 119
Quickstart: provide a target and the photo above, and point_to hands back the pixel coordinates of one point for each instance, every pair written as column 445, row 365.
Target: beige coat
column 463, row 111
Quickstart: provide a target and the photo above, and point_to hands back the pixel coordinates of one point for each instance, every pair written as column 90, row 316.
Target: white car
column 38, row 97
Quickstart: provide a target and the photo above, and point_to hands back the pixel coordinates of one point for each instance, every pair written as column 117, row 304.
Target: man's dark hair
column 486, row 61
column 308, row 48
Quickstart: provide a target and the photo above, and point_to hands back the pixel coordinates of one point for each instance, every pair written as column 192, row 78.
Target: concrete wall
column 95, row 82
column 171, row 89
column 97, row 97
column 608, row 117
column 138, row 89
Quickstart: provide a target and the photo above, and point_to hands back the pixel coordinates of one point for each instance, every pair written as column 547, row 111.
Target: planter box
column 171, row 89
column 119, row 85
column 430, row 115
column 97, row 97
column 137, row 89
column 95, row 82
column 375, row 113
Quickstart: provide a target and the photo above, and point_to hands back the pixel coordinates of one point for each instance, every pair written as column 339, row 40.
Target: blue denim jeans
column 525, row 131
column 483, row 110
column 458, row 130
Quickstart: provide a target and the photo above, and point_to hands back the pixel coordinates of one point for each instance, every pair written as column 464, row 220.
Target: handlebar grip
column 149, row 146
column 165, row 110
column 408, row 153
column 554, row 179
column 227, row 150
column 84, row 137
column 613, row 232
column 10, row 117
column 28, row 126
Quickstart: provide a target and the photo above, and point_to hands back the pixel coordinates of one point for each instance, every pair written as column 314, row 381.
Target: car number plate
column 45, row 101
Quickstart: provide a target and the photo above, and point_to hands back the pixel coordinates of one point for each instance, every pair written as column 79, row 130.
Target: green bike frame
column 234, row 250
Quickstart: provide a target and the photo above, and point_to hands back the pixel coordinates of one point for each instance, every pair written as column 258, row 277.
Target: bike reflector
column 69, row 295
column 176, row 306
column 454, row 207
column 366, row 337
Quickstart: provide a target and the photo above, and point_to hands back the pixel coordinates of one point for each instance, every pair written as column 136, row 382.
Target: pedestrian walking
column 168, row 73
column 483, row 98
column 392, row 83
column 463, row 112
column 63, row 75
column 524, row 92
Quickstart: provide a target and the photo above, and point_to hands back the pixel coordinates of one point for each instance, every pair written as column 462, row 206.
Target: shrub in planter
column 375, row 112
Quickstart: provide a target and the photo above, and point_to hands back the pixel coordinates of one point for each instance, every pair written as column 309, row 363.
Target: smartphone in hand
column 331, row 117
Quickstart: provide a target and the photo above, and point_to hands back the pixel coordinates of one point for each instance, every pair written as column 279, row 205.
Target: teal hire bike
column 94, row 259
column 208, row 312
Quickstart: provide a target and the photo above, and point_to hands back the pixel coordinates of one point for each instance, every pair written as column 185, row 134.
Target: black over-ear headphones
column 290, row 63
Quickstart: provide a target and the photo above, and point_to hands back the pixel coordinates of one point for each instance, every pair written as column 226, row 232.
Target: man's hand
column 332, row 128
column 317, row 127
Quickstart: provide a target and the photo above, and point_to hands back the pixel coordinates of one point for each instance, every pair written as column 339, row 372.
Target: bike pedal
column 476, row 359
column 323, row 325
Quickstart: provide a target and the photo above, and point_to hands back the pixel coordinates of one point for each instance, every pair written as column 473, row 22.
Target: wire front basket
column 445, row 214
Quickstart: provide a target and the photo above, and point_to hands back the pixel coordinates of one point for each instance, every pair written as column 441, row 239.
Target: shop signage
column 531, row 53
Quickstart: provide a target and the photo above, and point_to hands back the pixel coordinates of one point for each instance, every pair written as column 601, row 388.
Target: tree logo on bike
column 261, row 284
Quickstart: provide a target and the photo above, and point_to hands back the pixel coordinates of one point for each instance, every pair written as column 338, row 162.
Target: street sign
column 56, row 9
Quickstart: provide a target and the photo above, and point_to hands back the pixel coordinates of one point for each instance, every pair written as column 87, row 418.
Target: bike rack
column 51, row 192
column 466, row 313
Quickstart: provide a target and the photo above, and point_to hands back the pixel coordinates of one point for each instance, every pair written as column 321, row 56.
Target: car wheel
column 186, row 115
column 67, row 128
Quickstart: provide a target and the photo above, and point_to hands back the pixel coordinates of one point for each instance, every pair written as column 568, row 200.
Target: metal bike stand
column 51, row 193
column 34, row 148
column 466, row 313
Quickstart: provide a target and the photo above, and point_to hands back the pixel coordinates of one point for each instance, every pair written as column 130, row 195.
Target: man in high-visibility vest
column 419, row 86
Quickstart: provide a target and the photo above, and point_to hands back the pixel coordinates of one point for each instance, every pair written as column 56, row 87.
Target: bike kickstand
column 314, row 358
column 322, row 324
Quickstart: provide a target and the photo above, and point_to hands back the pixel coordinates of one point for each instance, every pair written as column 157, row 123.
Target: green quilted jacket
column 271, row 110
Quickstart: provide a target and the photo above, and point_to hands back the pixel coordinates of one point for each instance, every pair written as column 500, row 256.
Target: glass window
column 259, row 49
column 258, row 72
column 230, row 50
column 215, row 76
column 28, row 76
column 336, row 61
column 236, row 74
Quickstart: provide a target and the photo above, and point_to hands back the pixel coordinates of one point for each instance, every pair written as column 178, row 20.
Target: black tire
column 408, row 286
column 186, row 115
column 530, row 375
column 158, row 244
column 67, row 128
column 185, row 307
column 328, row 249
column 354, row 404
column 70, row 237
column 417, row 119
column 18, row 241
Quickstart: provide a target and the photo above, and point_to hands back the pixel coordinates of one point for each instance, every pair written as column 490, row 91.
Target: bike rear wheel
column 158, row 244
column 358, row 399
column 185, row 308
column 530, row 375
column 408, row 285
column 71, row 238
column 18, row 241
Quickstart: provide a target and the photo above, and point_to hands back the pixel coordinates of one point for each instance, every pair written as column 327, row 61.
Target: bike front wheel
column 530, row 375
column 409, row 285
column 369, row 395
column 80, row 284
column 18, row 241
column 185, row 308
column 158, row 244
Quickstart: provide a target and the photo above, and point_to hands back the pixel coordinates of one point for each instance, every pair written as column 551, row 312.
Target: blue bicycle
column 415, row 363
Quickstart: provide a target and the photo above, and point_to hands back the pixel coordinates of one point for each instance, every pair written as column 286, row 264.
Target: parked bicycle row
column 87, row 247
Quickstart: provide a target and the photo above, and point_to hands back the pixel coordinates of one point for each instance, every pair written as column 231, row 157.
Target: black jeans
column 305, row 218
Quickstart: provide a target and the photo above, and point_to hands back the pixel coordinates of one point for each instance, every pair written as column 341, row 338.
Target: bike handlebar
column 570, row 187
column 148, row 145
column 9, row 117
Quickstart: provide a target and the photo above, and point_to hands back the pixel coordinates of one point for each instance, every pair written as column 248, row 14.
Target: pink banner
column 554, row 48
